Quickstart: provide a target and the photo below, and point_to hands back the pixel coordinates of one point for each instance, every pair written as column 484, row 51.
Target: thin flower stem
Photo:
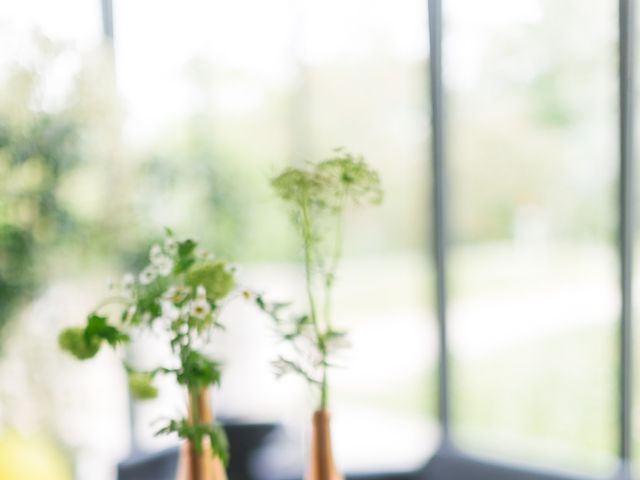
column 330, row 273
column 195, row 405
column 115, row 300
column 307, row 236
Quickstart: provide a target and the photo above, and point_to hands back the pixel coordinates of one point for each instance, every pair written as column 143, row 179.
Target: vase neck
column 322, row 463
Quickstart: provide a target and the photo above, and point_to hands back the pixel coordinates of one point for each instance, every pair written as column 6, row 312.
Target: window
column 533, row 168
column 507, row 352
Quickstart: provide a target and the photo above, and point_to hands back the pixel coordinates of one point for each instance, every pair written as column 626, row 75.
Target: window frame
column 450, row 462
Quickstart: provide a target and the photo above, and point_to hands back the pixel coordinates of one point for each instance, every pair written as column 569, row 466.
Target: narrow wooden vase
column 322, row 465
column 200, row 466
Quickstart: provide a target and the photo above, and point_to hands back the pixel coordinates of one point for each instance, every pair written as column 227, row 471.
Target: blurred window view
column 180, row 118
column 180, row 122
column 534, row 290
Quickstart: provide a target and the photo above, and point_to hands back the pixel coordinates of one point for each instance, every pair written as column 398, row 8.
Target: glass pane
column 534, row 296
column 363, row 87
column 48, row 108
column 250, row 107
column 182, row 124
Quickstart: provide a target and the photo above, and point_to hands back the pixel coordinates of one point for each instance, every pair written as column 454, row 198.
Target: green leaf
column 186, row 248
column 197, row 433
column 74, row 341
column 214, row 277
column 185, row 258
column 98, row 328
column 198, row 371
column 219, row 442
column 284, row 366
column 335, row 334
column 141, row 386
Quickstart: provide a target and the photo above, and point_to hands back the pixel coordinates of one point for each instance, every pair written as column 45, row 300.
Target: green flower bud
column 74, row 341
column 141, row 386
column 214, row 277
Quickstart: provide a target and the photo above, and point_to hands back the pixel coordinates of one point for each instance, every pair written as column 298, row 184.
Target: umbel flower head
column 180, row 291
column 330, row 184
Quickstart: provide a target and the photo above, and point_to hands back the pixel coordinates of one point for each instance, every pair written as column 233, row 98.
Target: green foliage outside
column 37, row 149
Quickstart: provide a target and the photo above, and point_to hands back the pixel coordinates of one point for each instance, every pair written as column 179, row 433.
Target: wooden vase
column 322, row 466
column 200, row 466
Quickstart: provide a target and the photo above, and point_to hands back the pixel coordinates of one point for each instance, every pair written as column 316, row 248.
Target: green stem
column 194, row 394
column 115, row 300
column 333, row 265
column 307, row 234
column 324, row 389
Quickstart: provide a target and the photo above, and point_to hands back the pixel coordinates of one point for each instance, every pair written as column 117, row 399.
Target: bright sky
column 157, row 39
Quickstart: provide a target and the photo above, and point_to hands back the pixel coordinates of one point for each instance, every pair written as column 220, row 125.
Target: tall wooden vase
column 322, row 465
column 200, row 466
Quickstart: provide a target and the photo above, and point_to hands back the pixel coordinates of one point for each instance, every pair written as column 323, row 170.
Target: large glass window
column 182, row 120
column 534, row 296
column 200, row 106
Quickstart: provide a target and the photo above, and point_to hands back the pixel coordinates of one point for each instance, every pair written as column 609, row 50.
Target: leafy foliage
column 214, row 277
column 141, row 386
column 180, row 290
column 318, row 196
column 198, row 371
column 78, row 344
column 198, row 433
column 97, row 329
column 37, row 149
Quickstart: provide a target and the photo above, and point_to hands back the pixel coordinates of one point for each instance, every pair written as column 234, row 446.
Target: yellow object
column 31, row 458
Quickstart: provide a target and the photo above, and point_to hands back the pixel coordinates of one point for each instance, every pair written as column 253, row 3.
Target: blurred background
column 119, row 118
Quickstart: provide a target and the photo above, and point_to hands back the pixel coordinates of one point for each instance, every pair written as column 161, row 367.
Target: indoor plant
column 179, row 292
column 318, row 196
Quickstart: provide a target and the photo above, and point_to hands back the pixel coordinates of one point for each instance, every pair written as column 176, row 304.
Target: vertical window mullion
column 107, row 19
column 439, row 224
column 626, row 215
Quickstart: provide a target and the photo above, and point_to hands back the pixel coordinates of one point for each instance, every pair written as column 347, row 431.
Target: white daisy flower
column 200, row 308
column 147, row 276
column 169, row 311
column 128, row 280
column 155, row 253
column 176, row 294
column 163, row 265
column 171, row 246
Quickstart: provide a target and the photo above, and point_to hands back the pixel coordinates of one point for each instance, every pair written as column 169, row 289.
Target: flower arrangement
column 318, row 196
column 181, row 291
